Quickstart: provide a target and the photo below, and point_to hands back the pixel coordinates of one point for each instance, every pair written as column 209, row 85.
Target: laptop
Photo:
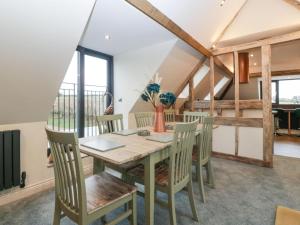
column 102, row 145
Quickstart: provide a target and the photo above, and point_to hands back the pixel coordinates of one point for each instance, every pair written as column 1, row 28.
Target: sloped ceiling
column 127, row 27
column 261, row 19
column 203, row 19
column 38, row 39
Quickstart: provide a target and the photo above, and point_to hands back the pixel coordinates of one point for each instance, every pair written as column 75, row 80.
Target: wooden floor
column 287, row 146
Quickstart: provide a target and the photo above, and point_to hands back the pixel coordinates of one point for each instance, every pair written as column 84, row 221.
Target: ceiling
column 127, row 27
column 203, row 19
column 261, row 19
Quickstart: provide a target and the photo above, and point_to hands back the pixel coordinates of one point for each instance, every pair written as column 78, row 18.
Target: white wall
column 38, row 39
column 34, row 160
column 132, row 72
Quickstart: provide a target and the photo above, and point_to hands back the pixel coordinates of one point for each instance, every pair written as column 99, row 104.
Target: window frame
column 82, row 51
column 277, row 90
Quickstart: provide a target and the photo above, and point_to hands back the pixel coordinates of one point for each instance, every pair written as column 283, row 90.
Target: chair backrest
column 68, row 171
column 205, row 139
column 144, row 119
column 170, row 115
column 180, row 165
column 192, row 116
column 297, row 113
column 110, row 123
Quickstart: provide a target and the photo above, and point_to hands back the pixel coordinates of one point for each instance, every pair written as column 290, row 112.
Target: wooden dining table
column 136, row 148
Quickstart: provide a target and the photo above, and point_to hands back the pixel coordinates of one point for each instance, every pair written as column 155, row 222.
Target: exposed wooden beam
column 268, row 41
column 221, row 65
column 190, row 76
column 229, row 24
column 228, row 86
column 230, row 104
column 191, row 94
column 212, row 85
column 240, row 159
column 148, row 9
column 236, row 99
column 279, row 73
column 267, row 104
column 293, row 3
column 243, row 122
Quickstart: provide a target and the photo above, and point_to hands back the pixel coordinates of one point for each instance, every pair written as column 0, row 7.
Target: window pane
column 95, row 87
column 63, row 113
column 289, row 92
column 273, row 92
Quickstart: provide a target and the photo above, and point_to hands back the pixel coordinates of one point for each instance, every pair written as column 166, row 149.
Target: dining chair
column 192, row 116
column 175, row 175
column 202, row 155
column 144, row 119
column 170, row 115
column 109, row 124
column 85, row 200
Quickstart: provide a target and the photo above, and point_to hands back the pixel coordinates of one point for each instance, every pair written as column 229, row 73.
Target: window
column 289, row 92
column 82, row 95
column 285, row 91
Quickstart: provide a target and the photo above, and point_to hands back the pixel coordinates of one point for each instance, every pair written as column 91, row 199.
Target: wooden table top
column 136, row 147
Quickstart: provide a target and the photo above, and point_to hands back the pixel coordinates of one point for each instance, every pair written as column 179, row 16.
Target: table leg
column 289, row 122
column 149, row 190
column 98, row 166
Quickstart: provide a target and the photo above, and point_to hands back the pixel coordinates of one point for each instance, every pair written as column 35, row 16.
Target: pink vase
column 159, row 122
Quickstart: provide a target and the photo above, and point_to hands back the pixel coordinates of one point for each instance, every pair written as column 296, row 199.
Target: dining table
column 135, row 149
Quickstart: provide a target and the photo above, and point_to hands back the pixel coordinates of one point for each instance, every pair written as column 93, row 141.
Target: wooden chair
column 192, row 116
column 85, row 200
column 177, row 174
column 202, row 155
column 110, row 123
column 144, row 119
column 170, row 115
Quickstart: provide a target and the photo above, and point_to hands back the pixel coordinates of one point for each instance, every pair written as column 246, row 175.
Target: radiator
column 9, row 159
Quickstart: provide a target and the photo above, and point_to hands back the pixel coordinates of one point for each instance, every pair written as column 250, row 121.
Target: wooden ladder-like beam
column 196, row 68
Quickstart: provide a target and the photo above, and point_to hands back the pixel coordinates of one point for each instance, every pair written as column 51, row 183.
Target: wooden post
column 236, row 98
column 212, row 85
column 267, row 105
column 191, row 94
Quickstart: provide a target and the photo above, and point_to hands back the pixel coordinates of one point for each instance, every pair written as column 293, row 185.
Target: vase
column 159, row 121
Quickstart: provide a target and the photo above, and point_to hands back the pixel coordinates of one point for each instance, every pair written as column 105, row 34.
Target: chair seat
column 161, row 173
column 103, row 189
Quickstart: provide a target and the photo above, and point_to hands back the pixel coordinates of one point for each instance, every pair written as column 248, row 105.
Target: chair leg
column 201, row 184
column 192, row 201
column 172, row 210
column 57, row 213
column 132, row 206
column 210, row 174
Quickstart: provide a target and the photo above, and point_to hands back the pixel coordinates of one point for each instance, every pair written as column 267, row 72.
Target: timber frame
column 238, row 121
column 266, row 104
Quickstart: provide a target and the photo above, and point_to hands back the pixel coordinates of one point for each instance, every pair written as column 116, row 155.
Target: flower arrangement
column 153, row 94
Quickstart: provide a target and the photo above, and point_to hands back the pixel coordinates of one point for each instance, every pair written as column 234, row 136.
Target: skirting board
column 241, row 159
column 20, row 193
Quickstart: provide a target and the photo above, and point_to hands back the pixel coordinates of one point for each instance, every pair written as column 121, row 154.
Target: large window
column 83, row 93
column 285, row 91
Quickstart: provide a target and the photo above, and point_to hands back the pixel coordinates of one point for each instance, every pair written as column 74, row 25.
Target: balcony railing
column 63, row 114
